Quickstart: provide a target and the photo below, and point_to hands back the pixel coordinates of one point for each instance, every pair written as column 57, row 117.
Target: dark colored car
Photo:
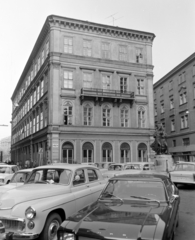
column 137, row 206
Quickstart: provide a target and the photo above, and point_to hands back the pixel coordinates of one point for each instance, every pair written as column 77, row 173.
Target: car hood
column 118, row 221
column 29, row 192
column 9, row 186
column 4, row 175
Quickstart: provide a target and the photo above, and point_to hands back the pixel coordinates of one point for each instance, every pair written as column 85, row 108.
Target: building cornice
column 97, row 28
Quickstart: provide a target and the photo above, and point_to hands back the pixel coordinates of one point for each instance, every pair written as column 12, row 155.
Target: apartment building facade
column 174, row 107
column 85, row 95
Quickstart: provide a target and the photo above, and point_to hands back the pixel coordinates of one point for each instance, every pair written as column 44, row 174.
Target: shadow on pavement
column 186, row 187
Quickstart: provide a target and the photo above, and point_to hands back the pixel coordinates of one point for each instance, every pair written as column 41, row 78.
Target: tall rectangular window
column 172, row 125
column 106, row 50
column 38, row 92
column 193, row 71
column 38, row 64
column 35, row 69
column 123, row 84
column 106, row 117
column 122, row 53
column 31, row 75
column 37, row 122
column 42, row 87
column 174, row 143
column 34, row 97
column 87, row 46
column 106, row 81
column 27, row 130
column 34, row 125
column 186, row 141
column 184, row 121
column 68, row 79
column 68, row 45
column 28, row 104
column 42, row 56
column 139, row 55
column 171, row 85
column 162, row 108
column 31, row 98
column 47, row 48
column 124, row 117
column 87, row 80
column 30, row 127
column 171, row 103
column 68, row 115
column 141, row 118
column 87, row 115
column 140, row 87
column 41, row 119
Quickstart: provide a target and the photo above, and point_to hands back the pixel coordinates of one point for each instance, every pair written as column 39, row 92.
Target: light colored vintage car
column 6, row 173
column 121, row 168
column 184, row 172
column 48, row 197
column 17, row 180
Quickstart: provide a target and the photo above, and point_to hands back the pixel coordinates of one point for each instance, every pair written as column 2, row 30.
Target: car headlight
column 30, row 213
column 66, row 236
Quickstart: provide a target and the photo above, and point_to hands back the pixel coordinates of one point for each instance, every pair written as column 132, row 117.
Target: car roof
column 25, row 170
column 143, row 176
column 66, row 166
column 192, row 163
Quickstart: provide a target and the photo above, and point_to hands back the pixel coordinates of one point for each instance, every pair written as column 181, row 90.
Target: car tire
column 8, row 182
column 51, row 226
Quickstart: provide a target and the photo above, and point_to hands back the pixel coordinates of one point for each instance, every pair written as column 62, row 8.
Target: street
column 186, row 229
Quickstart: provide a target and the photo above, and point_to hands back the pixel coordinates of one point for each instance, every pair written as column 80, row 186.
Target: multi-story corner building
column 5, row 147
column 85, row 95
column 174, row 101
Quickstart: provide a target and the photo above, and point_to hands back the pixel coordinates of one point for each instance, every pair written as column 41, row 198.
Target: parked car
column 120, row 168
column 138, row 206
column 184, row 172
column 6, row 173
column 48, row 197
column 17, row 180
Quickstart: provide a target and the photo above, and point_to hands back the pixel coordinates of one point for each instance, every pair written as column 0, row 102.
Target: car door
column 96, row 182
column 176, row 174
column 81, row 189
column 173, row 206
column 187, row 175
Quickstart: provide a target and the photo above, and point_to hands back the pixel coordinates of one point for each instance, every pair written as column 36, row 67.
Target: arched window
column 68, row 113
column 87, row 115
column 88, row 153
column 141, row 117
column 107, row 152
column 106, row 115
column 67, row 152
column 142, row 153
column 124, row 116
column 125, row 153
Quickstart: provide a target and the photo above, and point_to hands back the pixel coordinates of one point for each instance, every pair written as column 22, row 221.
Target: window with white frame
column 123, row 84
column 31, row 75
column 171, row 85
column 87, row 115
column 31, row 99
column 68, row 79
column 125, row 155
column 41, row 119
column 34, row 120
column 162, row 108
column 87, row 46
column 106, row 115
column 140, row 86
column 68, row 113
column 87, row 80
column 139, row 55
column 35, row 69
column 172, row 125
column 106, row 81
column 124, row 116
column 27, row 129
column 42, row 87
column 155, row 112
column 38, row 92
column 24, row 129
column 34, row 97
column 184, row 121
column 171, row 103
column 37, row 122
column 106, row 50
column 29, row 80
column 30, row 127
column 141, row 117
column 122, row 53
column 47, row 48
column 42, row 56
column 28, row 104
column 68, row 45
column 38, row 64
column 182, row 98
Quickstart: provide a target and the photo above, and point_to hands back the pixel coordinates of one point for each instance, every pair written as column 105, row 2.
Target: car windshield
column 52, row 176
column 124, row 189
column 185, row 167
column 115, row 167
column 5, row 170
column 133, row 166
column 20, row 177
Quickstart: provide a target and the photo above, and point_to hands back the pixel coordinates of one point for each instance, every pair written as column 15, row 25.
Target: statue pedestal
column 163, row 163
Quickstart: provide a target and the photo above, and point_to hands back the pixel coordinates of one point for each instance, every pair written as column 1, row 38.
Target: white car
column 184, row 172
column 50, row 195
column 17, row 180
column 6, row 173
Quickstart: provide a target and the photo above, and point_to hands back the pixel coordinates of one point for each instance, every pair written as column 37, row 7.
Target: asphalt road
column 186, row 229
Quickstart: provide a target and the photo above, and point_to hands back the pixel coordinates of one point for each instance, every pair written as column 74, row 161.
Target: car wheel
column 51, row 226
column 8, row 182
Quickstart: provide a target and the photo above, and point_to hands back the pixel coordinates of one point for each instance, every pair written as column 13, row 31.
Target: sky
column 172, row 22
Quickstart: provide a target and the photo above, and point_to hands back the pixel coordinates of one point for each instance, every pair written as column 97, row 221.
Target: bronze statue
column 159, row 145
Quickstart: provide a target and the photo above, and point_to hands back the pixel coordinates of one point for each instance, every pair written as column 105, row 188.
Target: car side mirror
column 173, row 198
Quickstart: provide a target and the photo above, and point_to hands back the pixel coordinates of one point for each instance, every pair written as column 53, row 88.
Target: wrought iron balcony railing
column 107, row 95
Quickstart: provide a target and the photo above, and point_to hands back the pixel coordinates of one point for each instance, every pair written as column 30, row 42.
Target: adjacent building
column 174, row 102
column 5, row 148
column 85, row 95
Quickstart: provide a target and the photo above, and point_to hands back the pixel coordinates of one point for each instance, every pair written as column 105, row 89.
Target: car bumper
column 21, row 236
